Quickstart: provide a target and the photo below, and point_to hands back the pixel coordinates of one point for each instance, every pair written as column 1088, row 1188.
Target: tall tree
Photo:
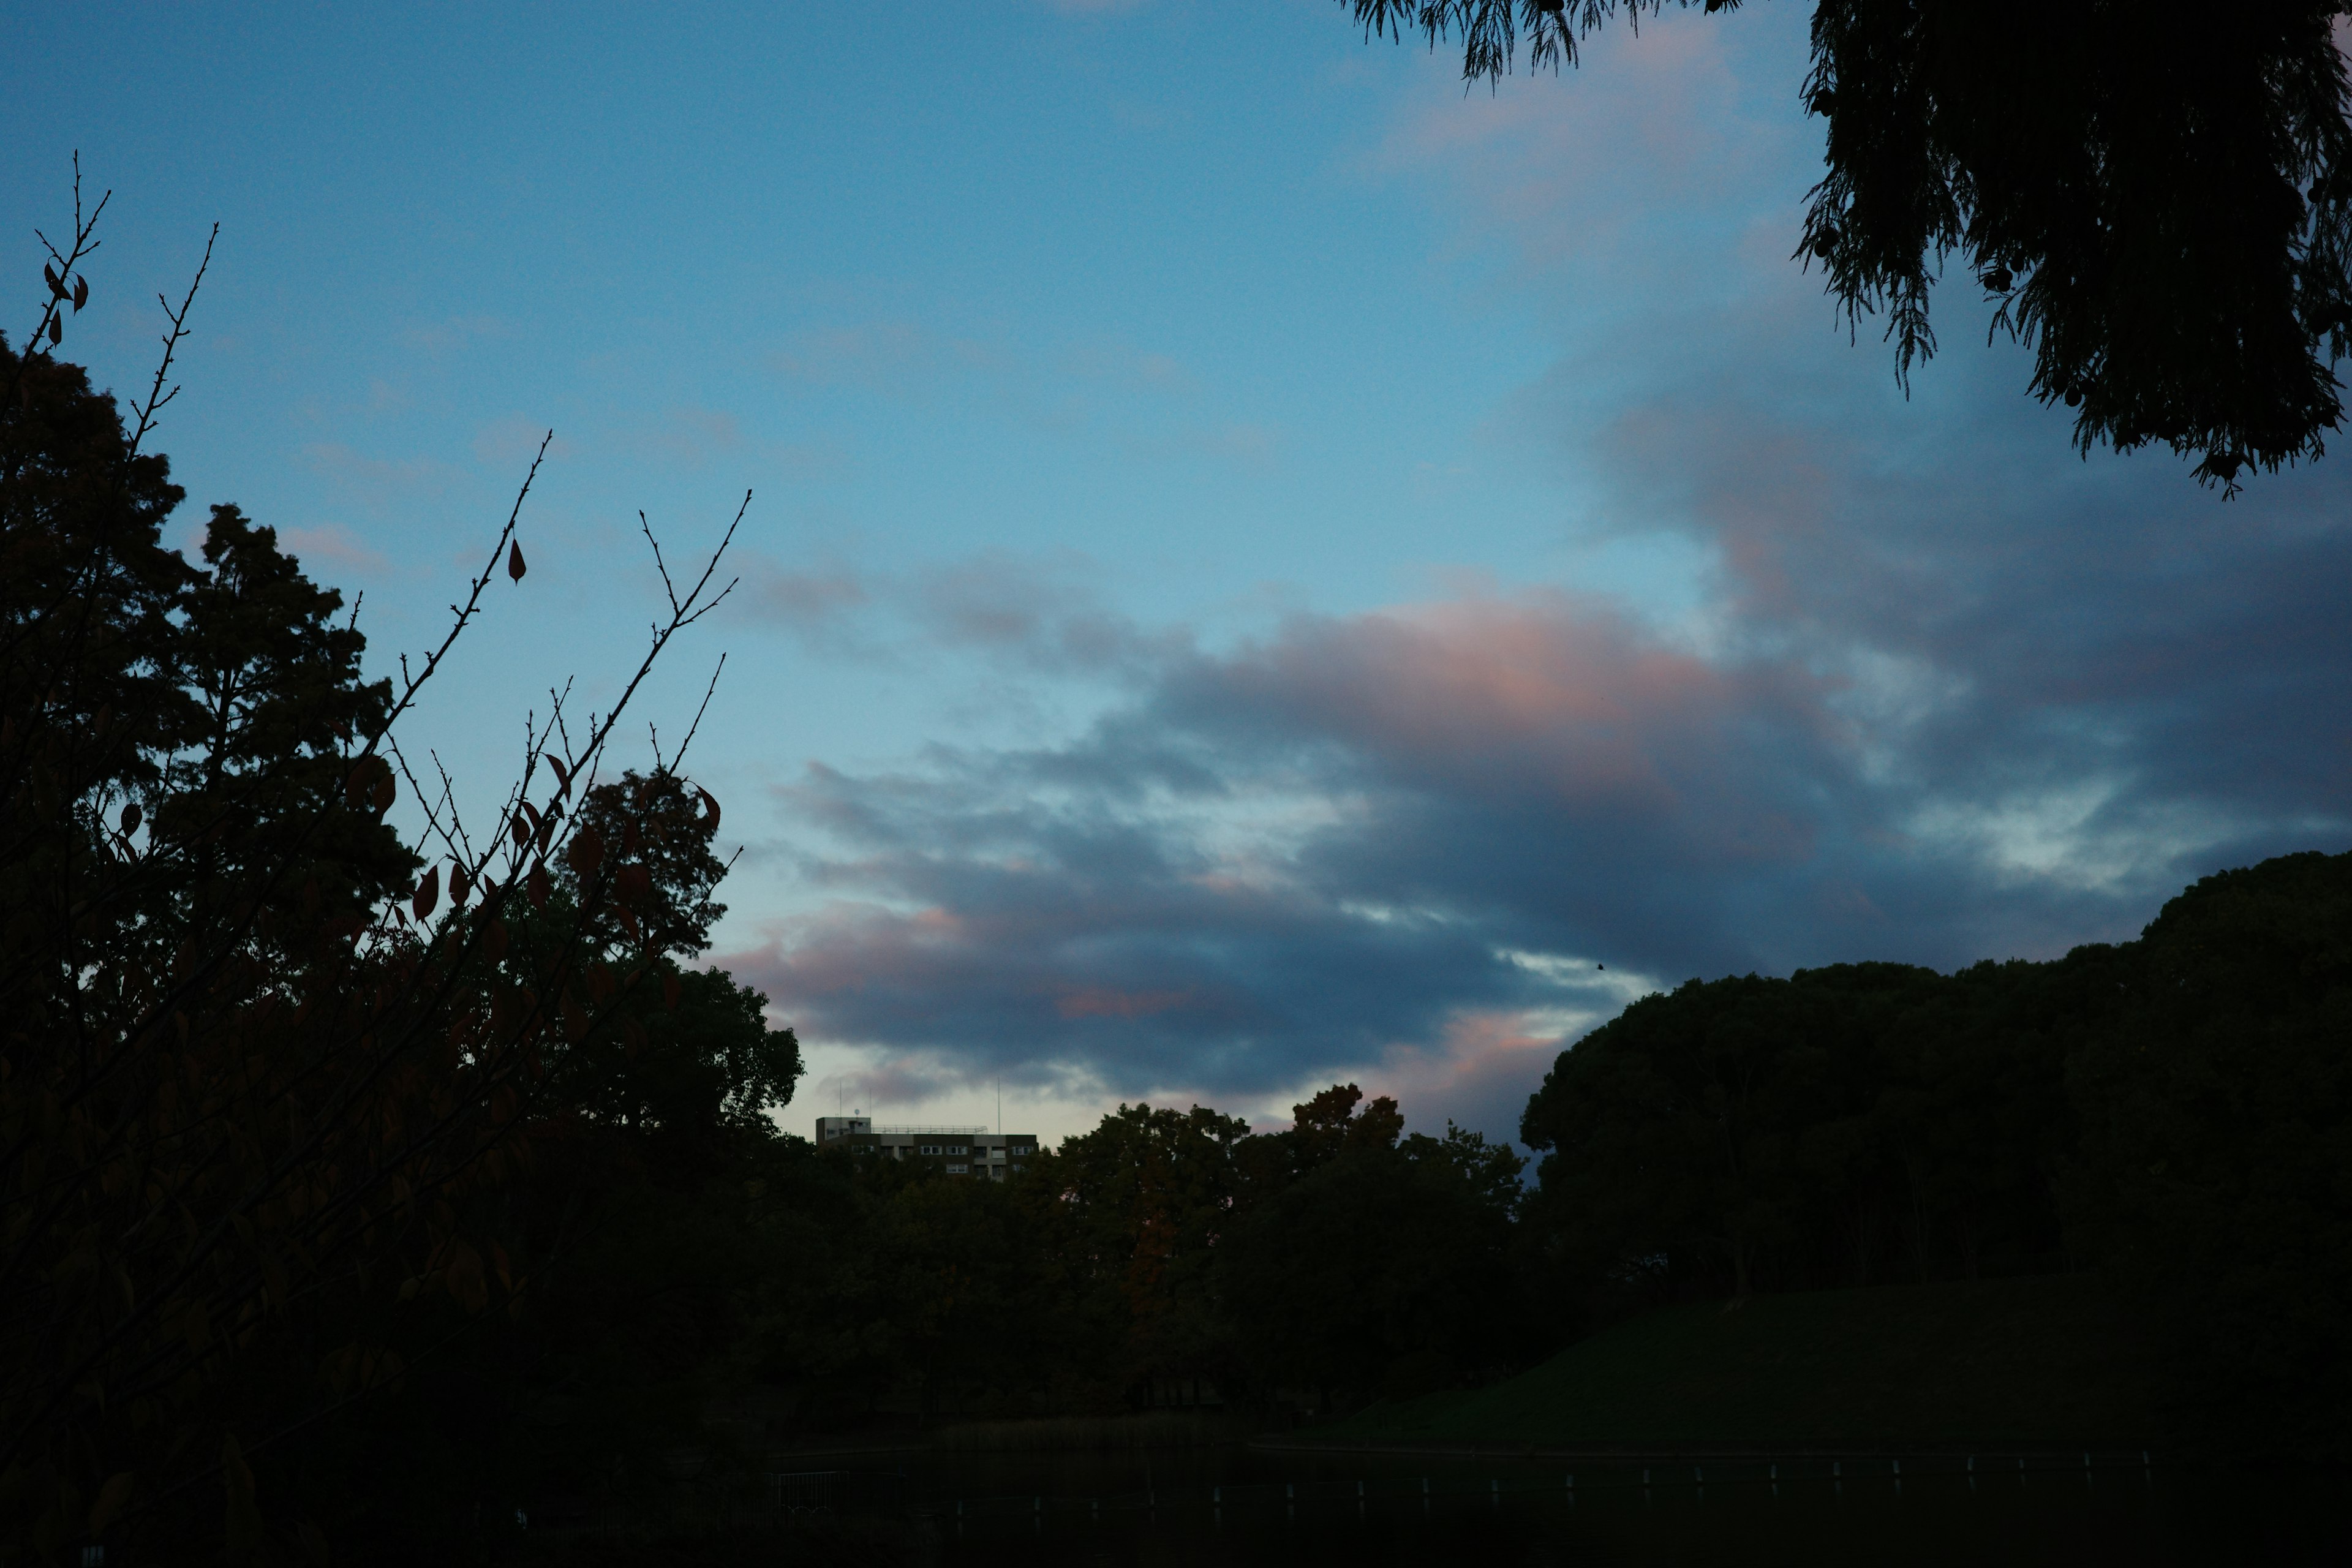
column 257, row 1076
column 2157, row 199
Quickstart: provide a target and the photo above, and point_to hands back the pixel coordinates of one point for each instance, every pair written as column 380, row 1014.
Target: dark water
column 1245, row 1507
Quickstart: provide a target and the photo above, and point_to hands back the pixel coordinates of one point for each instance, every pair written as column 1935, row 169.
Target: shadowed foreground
column 1994, row 1364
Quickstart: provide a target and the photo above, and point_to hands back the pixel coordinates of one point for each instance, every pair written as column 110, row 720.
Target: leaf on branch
column 386, row 790
column 429, row 892
column 463, row 1278
column 131, row 815
column 461, row 886
column 110, row 1498
column 586, row 851
column 536, row 884
column 494, row 941
column 81, row 292
column 634, row 883
column 563, row 774
column 514, row 561
column 710, row 803
column 57, row 330
column 50, row 276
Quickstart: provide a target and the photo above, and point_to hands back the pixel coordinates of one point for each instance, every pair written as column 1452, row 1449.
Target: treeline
column 1166, row 1258
column 2175, row 1112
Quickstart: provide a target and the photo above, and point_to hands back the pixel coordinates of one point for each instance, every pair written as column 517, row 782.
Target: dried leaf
column 81, row 292
column 536, row 884
column 710, row 803
column 429, row 892
column 514, row 560
column 57, row 330
column 131, row 815
column 384, row 789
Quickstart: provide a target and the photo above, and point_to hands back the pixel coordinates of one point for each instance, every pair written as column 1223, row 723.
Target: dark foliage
column 264, row 1090
column 2158, row 199
column 2215, row 1173
column 2177, row 1111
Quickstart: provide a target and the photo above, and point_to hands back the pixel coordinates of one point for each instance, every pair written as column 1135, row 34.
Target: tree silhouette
column 2157, row 199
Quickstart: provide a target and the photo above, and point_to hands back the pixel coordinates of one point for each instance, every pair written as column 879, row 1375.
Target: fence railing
column 849, row 1490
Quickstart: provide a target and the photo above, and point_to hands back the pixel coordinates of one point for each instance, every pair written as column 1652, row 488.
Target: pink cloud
column 1541, row 692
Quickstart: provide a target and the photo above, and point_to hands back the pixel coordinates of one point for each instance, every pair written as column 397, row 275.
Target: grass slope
column 1995, row 1363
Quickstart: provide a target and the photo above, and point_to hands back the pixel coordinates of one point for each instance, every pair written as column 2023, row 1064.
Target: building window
column 958, row 1170
column 958, row 1149
column 930, row 1149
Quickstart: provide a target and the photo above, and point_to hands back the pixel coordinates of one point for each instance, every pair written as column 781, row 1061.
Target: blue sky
column 1262, row 567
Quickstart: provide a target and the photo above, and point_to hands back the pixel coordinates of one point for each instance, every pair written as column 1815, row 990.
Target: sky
column 1262, row 568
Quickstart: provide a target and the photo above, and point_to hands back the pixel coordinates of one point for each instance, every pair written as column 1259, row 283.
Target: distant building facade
column 972, row 1151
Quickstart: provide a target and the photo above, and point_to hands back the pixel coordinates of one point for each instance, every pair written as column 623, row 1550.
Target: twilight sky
column 1262, row 568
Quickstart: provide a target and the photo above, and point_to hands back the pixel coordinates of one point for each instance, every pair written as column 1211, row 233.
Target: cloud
column 334, row 545
column 1396, row 842
column 514, row 439
column 1026, row 612
column 901, row 359
column 377, row 480
column 1947, row 692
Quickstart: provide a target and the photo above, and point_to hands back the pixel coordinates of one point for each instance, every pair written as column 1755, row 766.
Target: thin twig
column 690, row 729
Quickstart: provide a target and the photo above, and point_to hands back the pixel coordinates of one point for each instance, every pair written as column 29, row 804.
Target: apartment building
column 972, row 1152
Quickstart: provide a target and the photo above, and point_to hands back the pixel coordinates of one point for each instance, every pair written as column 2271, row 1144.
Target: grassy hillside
column 1995, row 1363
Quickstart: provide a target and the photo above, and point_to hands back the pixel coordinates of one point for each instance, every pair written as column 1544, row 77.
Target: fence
column 1621, row 1478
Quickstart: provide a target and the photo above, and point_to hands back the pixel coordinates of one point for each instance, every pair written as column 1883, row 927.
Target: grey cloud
column 1941, row 709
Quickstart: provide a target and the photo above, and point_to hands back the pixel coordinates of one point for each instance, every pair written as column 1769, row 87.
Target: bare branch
column 156, row 397
column 690, row 729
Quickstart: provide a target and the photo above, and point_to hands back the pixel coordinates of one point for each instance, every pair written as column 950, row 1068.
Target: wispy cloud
column 335, row 547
